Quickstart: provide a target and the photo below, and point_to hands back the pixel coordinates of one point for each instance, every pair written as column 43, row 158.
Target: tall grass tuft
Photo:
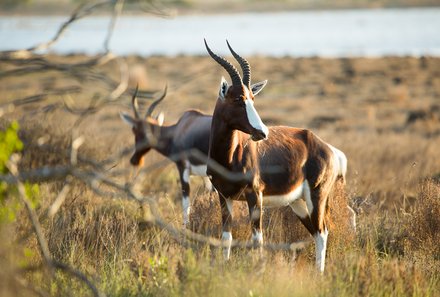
column 422, row 229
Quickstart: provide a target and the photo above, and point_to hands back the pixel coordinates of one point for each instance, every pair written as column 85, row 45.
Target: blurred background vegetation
column 210, row 6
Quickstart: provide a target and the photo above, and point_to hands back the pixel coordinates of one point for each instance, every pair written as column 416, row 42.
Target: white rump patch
column 341, row 160
column 284, row 200
column 254, row 118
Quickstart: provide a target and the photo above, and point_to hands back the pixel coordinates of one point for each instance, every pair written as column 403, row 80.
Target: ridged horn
column 134, row 102
column 232, row 71
column 156, row 102
column 244, row 64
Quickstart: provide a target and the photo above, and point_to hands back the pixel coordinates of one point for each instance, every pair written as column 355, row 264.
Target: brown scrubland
column 384, row 113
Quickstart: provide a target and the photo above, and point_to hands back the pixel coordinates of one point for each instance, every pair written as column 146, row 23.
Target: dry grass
column 362, row 106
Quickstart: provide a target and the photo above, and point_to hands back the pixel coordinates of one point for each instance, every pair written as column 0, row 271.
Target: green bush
column 10, row 143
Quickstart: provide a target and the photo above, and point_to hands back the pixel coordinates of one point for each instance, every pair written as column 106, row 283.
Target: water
column 365, row 32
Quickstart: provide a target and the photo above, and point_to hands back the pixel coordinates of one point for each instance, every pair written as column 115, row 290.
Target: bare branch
column 123, row 85
column 42, row 243
column 41, row 97
column 121, row 191
column 117, row 9
column 155, row 7
column 59, row 200
column 99, row 176
column 82, row 11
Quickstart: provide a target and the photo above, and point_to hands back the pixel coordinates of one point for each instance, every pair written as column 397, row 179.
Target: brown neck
column 222, row 143
column 230, row 148
column 164, row 136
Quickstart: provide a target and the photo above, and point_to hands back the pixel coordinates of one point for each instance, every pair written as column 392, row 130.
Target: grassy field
column 384, row 113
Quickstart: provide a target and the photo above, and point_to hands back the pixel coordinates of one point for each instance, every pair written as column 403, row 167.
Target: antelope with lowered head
column 281, row 165
column 191, row 132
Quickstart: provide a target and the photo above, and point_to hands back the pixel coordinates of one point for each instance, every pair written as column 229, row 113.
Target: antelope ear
column 257, row 87
column 160, row 118
column 127, row 118
column 224, row 86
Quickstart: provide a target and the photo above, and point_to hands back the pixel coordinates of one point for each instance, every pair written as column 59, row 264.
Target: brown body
column 280, row 165
column 180, row 142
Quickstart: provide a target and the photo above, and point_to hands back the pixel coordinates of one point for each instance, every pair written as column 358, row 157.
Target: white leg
column 186, row 206
column 185, row 175
column 257, row 237
column 227, row 235
column 186, row 203
column 321, row 247
column 227, row 241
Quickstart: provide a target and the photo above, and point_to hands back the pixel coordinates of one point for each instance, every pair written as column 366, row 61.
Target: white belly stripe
column 284, row 200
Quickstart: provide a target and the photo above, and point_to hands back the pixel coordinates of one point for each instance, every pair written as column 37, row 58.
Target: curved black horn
column 134, row 102
column 232, row 71
column 156, row 102
column 244, row 64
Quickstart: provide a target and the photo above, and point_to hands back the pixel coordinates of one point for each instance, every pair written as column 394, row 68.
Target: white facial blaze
column 254, row 118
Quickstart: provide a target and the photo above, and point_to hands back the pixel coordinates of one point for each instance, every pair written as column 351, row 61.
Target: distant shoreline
column 335, row 33
column 200, row 7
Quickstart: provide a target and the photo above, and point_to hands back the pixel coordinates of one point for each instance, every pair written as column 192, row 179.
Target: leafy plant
column 10, row 144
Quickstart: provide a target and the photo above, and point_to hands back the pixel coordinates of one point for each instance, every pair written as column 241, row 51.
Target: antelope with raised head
column 286, row 165
column 191, row 132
